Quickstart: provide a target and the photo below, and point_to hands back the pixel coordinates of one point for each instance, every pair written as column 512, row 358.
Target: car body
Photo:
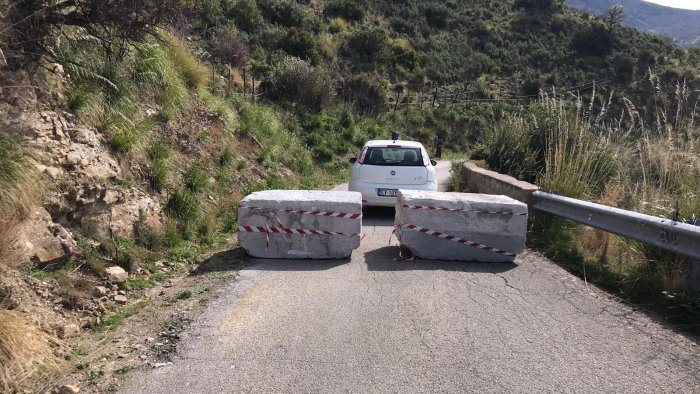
column 385, row 166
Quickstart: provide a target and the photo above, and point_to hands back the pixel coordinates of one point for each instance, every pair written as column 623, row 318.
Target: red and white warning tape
column 284, row 230
column 455, row 239
column 461, row 210
column 341, row 215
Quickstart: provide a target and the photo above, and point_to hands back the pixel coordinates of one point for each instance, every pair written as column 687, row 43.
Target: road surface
column 376, row 324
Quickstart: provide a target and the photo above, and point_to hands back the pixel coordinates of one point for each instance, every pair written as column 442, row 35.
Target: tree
column 114, row 23
column 540, row 4
column 230, row 49
column 615, row 15
column 246, row 14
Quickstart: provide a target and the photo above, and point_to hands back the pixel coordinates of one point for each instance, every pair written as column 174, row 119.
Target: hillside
column 683, row 26
column 129, row 131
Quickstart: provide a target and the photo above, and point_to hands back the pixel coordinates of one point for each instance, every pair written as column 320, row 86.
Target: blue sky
column 688, row 4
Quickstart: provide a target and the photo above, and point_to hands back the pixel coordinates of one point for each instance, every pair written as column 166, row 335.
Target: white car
column 385, row 166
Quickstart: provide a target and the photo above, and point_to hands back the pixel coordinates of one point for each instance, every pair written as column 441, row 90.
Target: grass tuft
column 20, row 192
column 25, row 350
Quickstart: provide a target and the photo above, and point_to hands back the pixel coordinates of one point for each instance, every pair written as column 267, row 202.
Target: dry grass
column 20, row 192
column 24, row 351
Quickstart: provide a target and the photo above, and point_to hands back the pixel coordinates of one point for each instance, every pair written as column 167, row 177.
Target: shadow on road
column 229, row 260
column 235, row 259
column 378, row 216
column 383, row 260
column 295, row 265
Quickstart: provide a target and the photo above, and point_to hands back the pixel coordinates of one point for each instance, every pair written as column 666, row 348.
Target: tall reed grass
column 603, row 151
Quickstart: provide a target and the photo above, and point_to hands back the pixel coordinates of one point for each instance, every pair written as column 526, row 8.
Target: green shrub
column 507, row 148
column 338, row 25
column 367, row 44
column 246, row 14
column 302, row 44
column 436, row 14
column 123, row 141
column 182, row 205
column 196, row 178
column 159, row 153
column 290, row 13
column 346, row 9
column 402, row 54
column 367, row 92
column 295, row 80
column 226, row 157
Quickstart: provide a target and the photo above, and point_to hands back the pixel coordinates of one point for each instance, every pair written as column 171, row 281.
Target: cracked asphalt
column 376, row 324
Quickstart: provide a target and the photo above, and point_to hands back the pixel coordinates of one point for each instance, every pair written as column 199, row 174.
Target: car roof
column 412, row 144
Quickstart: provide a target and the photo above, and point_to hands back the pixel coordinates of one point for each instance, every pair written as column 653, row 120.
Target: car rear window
column 393, row 156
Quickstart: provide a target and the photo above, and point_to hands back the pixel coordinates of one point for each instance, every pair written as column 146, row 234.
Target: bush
column 367, row 44
column 295, row 80
column 159, row 153
column 246, row 14
column 338, row 25
column 196, row 178
column 402, row 54
column 367, row 92
column 540, row 4
column 289, row 13
column 436, row 15
column 506, row 148
column 182, row 205
column 226, row 157
column 594, row 40
column 346, row 9
column 301, row 44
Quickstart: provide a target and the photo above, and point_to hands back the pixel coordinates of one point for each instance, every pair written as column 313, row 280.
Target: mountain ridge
column 681, row 25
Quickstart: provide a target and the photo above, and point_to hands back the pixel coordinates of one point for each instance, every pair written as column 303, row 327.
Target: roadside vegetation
column 591, row 152
column 205, row 102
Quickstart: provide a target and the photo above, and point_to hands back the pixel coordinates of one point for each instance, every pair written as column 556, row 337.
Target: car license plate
column 386, row 192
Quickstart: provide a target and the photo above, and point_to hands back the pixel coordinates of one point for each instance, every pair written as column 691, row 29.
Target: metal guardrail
column 674, row 236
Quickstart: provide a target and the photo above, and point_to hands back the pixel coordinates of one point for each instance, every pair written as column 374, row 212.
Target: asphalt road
column 376, row 324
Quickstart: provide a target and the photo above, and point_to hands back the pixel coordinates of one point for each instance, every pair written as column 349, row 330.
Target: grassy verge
column 569, row 151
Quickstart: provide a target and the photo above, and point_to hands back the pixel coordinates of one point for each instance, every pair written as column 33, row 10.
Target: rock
column 69, row 389
column 41, row 241
column 161, row 365
column 121, row 292
column 115, row 214
column 116, row 275
column 120, row 299
column 68, row 331
column 296, row 246
column 474, row 221
column 100, row 291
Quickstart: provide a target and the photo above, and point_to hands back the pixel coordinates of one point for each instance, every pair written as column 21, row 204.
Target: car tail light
column 426, row 159
column 361, row 158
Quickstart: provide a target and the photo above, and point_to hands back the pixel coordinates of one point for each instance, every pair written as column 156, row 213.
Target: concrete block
column 269, row 209
column 473, row 217
column 479, row 180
